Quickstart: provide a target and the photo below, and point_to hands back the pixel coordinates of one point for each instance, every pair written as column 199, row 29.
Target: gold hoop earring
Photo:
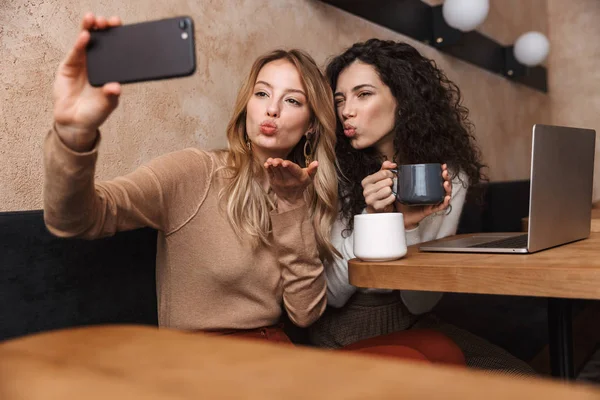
column 308, row 150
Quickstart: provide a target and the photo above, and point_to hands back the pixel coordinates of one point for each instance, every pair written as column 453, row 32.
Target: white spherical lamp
column 531, row 48
column 465, row 15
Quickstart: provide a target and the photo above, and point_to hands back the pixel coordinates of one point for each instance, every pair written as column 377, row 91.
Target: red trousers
column 418, row 344
column 273, row 334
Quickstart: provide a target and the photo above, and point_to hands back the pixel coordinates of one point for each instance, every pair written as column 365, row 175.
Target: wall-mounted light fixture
column 465, row 15
column 528, row 52
column 531, row 48
column 450, row 28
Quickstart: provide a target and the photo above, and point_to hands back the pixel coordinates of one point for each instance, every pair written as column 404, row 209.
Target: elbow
column 303, row 323
column 65, row 230
column 55, row 227
column 335, row 302
column 340, row 297
column 309, row 316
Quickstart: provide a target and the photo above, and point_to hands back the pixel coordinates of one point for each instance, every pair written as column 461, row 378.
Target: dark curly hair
column 432, row 125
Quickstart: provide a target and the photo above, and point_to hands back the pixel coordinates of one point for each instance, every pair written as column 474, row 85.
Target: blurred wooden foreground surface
column 133, row 362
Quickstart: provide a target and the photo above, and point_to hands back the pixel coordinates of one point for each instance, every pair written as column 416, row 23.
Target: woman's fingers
column 384, row 192
column 112, row 89
column 101, row 22
column 377, row 189
column 88, row 21
column 312, row 168
column 440, row 207
column 388, row 165
column 277, row 168
column 114, row 21
column 444, row 204
column 377, row 186
column 291, row 169
column 447, row 181
column 288, row 180
column 270, row 172
column 448, row 188
column 383, row 204
column 75, row 59
column 292, row 174
column 383, row 173
column 380, row 199
column 277, row 173
column 376, row 177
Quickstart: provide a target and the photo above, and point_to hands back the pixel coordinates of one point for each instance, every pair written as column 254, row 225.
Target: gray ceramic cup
column 419, row 184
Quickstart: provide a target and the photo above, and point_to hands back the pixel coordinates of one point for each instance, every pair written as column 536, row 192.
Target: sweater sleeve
column 339, row 289
column 76, row 206
column 304, row 284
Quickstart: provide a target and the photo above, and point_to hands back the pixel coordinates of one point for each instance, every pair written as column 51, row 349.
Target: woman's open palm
column 288, row 180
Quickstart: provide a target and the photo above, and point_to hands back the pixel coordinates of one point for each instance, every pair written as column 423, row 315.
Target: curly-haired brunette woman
column 395, row 106
column 430, row 125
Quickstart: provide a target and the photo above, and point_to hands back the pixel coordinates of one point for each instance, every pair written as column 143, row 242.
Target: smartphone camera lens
column 182, row 24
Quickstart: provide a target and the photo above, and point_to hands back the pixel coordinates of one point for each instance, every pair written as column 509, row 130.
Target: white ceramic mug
column 379, row 236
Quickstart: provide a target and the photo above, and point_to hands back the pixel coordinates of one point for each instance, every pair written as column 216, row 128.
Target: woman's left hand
column 289, row 181
column 415, row 214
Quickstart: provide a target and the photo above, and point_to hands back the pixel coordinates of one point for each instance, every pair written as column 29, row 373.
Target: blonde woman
column 241, row 231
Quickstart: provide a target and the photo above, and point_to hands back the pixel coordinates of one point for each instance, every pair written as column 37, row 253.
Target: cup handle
column 395, row 182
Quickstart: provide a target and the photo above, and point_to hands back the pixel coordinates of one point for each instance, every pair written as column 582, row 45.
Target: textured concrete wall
column 154, row 118
column 575, row 76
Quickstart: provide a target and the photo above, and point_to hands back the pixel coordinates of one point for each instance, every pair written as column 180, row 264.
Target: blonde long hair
column 247, row 204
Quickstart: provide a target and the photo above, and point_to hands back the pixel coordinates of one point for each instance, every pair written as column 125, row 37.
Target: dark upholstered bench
column 49, row 283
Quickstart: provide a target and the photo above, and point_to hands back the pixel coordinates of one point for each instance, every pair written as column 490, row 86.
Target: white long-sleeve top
column 435, row 226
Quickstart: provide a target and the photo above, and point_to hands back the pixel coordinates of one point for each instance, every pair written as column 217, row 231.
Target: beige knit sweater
column 207, row 278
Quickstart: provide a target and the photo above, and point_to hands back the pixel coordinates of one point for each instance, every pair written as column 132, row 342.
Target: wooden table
column 570, row 271
column 129, row 362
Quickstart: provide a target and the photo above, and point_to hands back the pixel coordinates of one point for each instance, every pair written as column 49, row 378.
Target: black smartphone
column 144, row 51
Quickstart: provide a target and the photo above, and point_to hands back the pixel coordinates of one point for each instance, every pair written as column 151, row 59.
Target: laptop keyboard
column 515, row 242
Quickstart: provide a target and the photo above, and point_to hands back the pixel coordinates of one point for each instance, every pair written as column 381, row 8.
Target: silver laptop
column 560, row 197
